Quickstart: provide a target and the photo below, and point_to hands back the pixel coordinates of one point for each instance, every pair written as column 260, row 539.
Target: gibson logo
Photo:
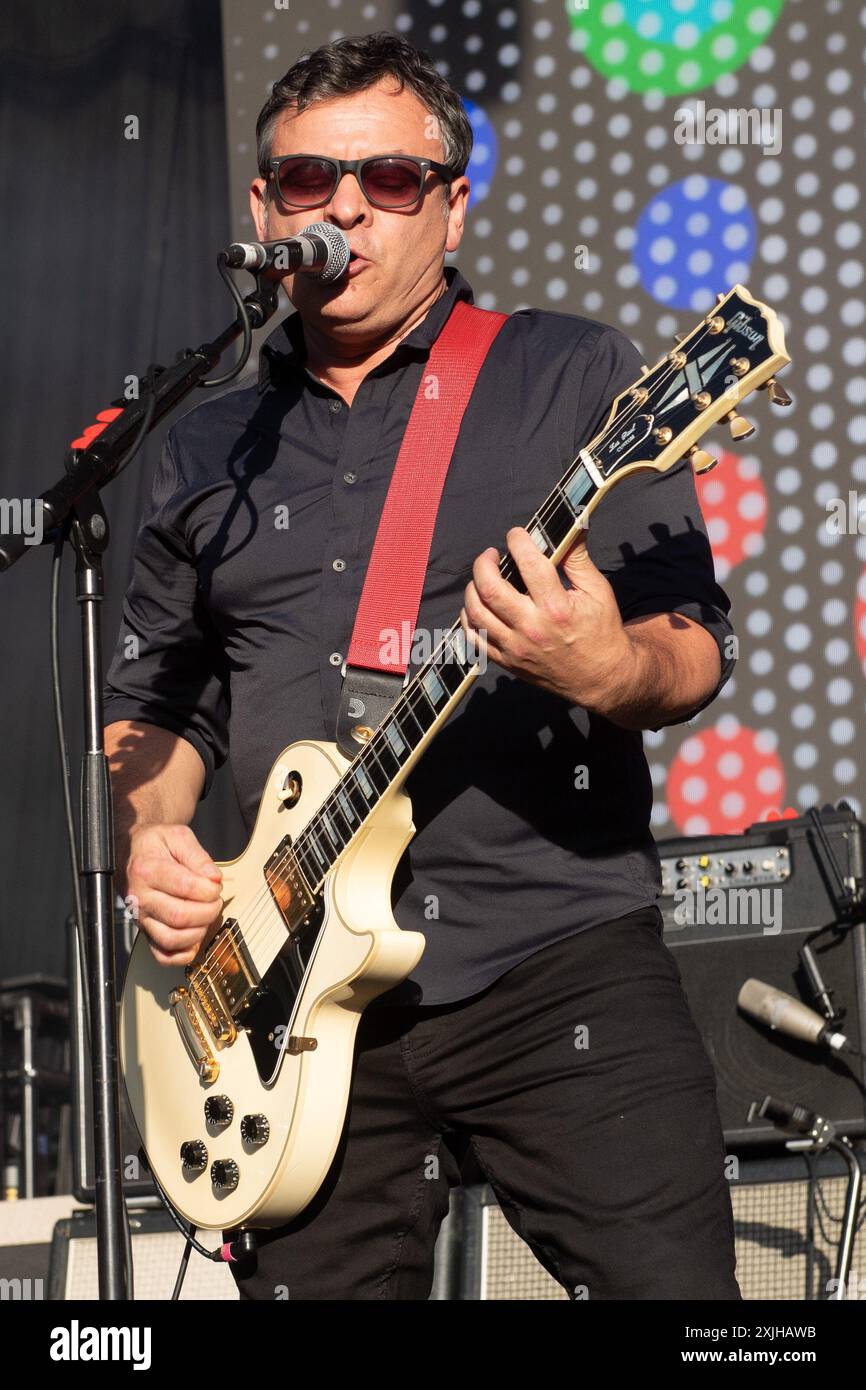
column 740, row 324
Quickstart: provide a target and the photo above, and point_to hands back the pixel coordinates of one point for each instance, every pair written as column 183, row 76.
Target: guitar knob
column 741, row 428
column 218, row 1111
column 701, row 461
column 255, row 1130
column 776, row 392
column 225, row 1174
column 193, row 1156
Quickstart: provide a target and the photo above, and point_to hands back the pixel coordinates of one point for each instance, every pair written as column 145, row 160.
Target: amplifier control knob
column 748, row 866
column 225, row 1174
column 255, row 1130
column 218, row 1111
column 193, row 1156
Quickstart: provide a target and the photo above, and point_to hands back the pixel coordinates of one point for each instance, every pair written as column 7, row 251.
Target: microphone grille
column 338, row 247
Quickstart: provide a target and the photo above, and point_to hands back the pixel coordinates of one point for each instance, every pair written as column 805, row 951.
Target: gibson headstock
column 736, row 349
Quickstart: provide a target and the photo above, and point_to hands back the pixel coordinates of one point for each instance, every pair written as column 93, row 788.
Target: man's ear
column 259, row 207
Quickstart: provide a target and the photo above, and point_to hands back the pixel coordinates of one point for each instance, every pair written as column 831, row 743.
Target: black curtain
column 109, row 250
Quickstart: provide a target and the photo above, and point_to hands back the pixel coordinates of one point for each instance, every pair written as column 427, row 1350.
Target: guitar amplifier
column 784, row 1250
column 742, row 906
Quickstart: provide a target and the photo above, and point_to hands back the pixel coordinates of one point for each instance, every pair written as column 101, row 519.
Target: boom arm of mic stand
column 95, row 466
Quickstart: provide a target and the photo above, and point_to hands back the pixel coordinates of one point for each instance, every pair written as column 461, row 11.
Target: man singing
column 545, row 1027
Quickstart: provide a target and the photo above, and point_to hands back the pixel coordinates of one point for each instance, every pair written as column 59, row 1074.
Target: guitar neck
column 431, row 696
column 732, row 351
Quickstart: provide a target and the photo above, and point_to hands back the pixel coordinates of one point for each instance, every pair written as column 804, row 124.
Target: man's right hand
column 174, row 889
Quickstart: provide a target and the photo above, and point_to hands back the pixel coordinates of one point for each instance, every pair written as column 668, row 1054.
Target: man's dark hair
column 352, row 64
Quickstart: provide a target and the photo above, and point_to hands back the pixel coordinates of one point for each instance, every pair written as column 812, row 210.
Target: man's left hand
column 570, row 641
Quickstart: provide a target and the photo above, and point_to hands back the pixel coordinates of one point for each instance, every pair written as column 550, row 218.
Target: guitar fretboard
column 447, row 673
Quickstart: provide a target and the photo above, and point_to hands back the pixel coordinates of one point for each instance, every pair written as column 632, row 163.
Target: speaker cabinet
column 157, row 1246
column 786, row 1228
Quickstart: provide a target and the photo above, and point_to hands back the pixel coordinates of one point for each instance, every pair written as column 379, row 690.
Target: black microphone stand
column 73, row 508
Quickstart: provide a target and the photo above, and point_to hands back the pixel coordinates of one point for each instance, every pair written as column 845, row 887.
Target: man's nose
column 348, row 201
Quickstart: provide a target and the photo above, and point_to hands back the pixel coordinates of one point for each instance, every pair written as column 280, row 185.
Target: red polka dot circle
column 860, row 620
column 734, row 505
column 724, row 779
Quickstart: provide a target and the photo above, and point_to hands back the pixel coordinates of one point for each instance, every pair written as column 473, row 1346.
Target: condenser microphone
column 781, row 1011
column 322, row 249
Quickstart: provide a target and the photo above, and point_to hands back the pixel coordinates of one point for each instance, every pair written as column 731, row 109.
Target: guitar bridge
column 193, row 1034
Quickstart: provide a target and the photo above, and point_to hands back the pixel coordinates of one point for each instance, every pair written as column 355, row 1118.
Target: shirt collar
column 284, row 351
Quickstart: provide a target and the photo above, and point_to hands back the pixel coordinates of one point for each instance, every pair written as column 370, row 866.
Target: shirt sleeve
column 169, row 667
column 647, row 536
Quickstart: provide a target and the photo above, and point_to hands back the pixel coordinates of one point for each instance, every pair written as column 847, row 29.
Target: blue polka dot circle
column 680, row 22
column 485, row 152
column 693, row 239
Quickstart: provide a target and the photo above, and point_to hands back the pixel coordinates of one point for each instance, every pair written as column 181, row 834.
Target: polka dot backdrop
column 583, row 113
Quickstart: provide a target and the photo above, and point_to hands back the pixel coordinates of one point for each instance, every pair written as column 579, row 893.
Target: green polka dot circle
column 669, row 46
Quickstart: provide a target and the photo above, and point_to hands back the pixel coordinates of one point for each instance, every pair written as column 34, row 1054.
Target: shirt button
column 350, row 477
column 339, row 565
column 336, row 405
column 336, row 658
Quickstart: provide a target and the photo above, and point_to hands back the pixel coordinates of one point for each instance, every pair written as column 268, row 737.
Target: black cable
column 65, row 778
column 243, row 319
column 184, row 1265
column 188, row 1232
column 144, row 427
column 69, row 819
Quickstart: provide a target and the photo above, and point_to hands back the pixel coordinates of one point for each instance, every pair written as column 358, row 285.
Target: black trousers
column 582, row 1085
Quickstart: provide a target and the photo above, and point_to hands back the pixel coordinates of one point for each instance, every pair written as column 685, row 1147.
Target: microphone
column 322, row 249
column 781, row 1011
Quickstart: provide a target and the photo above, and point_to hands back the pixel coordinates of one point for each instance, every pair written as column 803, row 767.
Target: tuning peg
column 776, row 392
column 741, row 428
column 701, row 461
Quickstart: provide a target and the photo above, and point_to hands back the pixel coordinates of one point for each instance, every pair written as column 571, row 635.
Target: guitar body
column 314, row 990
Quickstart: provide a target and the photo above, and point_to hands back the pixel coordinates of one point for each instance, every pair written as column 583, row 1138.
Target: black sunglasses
column 387, row 181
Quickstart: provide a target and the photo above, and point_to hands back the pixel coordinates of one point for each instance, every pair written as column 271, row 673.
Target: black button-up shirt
column 532, row 816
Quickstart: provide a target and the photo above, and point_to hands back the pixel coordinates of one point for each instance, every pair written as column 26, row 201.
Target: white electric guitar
column 238, row 1067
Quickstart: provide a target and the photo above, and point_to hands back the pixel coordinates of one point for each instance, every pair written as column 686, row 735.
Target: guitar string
column 264, row 899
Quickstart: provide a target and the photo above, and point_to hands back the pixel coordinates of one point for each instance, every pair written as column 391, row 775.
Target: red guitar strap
column 391, row 596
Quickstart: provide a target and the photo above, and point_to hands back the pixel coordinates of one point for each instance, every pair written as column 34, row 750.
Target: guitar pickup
column 287, row 885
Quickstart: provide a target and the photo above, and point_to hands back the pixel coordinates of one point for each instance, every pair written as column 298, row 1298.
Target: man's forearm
column 673, row 665
column 156, row 779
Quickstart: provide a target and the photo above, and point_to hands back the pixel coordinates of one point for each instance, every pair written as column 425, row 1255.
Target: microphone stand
column 820, row 1134
column 73, row 508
